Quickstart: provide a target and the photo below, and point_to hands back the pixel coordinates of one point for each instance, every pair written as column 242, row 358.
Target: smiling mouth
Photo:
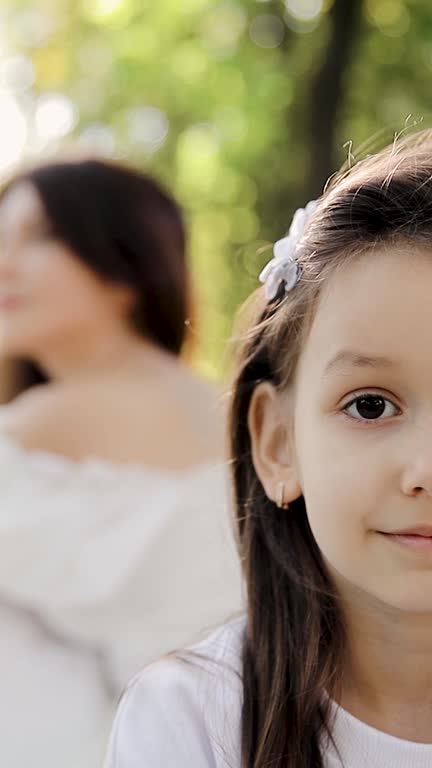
column 421, row 542
column 8, row 301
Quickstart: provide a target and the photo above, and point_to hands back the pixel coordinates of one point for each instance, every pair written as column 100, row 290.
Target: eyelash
column 369, row 422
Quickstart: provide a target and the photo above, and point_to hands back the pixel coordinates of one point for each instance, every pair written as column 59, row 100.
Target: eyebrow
column 346, row 358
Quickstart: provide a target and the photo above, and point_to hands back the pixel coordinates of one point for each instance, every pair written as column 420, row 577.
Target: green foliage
column 213, row 97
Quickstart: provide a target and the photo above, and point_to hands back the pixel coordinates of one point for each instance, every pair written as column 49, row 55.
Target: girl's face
column 362, row 427
column 354, row 434
column 48, row 297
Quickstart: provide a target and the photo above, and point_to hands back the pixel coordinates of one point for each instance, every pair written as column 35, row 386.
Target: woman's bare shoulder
column 185, row 415
column 39, row 418
column 174, row 422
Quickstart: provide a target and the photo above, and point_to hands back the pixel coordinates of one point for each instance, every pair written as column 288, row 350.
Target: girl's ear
column 271, row 433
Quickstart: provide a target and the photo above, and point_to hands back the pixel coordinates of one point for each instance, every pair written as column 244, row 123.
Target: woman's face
column 49, row 298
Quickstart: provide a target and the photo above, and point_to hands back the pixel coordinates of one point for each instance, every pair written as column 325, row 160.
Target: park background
column 243, row 108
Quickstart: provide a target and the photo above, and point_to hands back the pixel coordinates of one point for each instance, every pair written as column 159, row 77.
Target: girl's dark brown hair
column 294, row 642
column 129, row 230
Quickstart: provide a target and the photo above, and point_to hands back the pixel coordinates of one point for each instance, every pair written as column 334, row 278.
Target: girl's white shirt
column 185, row 712
column 103, row 567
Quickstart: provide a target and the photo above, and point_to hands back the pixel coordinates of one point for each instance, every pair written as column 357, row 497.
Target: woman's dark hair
column 295, row 639
column 123, row 225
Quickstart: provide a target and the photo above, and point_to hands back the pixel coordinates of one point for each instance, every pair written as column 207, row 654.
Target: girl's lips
column 414, row 541
column 8, row 301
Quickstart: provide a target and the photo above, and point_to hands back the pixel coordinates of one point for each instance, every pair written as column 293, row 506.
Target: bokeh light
column 100, row 11
column 304, row 10
column 232, row 124
column 16, row 73
column 198, row 162
column 33, row 27
column 147, row 127
column 189, row 63
column 13, row 132
column 55, row 116
column 267, row 30
column 390, row 16
column 223, row 27
column 98, row 139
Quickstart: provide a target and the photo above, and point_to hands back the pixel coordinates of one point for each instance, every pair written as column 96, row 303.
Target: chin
column 16, row 347
column 414, row 603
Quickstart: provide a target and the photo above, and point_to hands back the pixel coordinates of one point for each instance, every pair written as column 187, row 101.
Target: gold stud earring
column 281, row 503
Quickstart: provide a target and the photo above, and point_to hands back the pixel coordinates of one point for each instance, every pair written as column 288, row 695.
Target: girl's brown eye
column 370, row 407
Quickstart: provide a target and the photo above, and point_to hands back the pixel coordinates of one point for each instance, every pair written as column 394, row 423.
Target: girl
column 332, row 455
column 113, row 540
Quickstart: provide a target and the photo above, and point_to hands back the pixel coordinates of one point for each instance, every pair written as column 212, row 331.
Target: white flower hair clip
column 283, row 267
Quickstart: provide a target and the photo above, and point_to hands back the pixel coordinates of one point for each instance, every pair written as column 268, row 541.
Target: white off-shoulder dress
column 103, row 568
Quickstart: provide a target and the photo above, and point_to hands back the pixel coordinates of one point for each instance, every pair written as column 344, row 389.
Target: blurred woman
column 115, row 541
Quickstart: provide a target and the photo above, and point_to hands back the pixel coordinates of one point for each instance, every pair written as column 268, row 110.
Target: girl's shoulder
column 184, row 711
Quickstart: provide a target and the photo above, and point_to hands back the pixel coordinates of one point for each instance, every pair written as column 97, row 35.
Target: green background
column 242, row 107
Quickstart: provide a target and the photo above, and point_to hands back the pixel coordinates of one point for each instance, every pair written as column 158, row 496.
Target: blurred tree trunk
column 327, row 93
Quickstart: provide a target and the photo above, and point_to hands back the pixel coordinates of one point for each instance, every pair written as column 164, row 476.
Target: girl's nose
column 417, row 478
